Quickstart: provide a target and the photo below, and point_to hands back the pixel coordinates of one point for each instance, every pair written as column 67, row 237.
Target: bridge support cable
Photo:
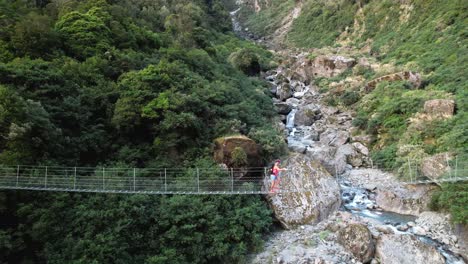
column 136, row 180
column 167, row 180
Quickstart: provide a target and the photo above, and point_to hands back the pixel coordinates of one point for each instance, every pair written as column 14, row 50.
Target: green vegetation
column 426, row 36
column 127, row 84
column 453, row 198
column 99, row 228
column 269, row 19
column 321, row 22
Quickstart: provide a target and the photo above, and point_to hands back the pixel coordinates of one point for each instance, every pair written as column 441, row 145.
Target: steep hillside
column 127, row 84
column 421, row 117
column 428, row 37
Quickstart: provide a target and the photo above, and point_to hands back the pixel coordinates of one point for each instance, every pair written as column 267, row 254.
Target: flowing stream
column 360, row 201
column 356, row 200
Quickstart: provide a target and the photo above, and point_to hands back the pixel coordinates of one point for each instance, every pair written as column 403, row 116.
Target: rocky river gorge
column 344, row 211
column 338, row 208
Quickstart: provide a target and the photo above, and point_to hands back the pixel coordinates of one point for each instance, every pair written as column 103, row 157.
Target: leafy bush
column 245, row 60
column 349, row 98
column 322, row 22
column 143, row 84
column 385, row 157
column 239, row 157
column 453, row 197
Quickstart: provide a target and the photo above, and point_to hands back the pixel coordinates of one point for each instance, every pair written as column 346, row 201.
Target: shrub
column 245, row 60
column 239, row 157
column 453, row 197
column 349, row 97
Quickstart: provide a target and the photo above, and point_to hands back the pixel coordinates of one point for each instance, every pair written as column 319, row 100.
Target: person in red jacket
column 275, row 170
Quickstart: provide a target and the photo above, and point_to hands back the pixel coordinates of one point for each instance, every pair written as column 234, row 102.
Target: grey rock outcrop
column 329, row 66
column 436, row 226
column 306, row 115
column 461, row 232
column 389, row 250
column 413, row 77
column 308, row 193
column 283, row 91
column 412, row 199
column 435, row 166
column 283, row 108
column 334, row 137
column 443, row 108
column 358, row 240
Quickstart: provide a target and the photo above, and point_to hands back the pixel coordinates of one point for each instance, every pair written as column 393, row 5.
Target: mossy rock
column 226, row 146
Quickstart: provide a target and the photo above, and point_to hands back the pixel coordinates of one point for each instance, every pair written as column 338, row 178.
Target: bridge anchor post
column 45, row 178
column 17, row 175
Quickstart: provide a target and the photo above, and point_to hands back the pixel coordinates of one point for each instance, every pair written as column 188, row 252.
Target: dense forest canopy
column 127, row 83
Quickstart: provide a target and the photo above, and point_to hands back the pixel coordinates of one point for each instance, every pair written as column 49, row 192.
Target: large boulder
column 435, row 166
column 305, row 69
column 410, row 199
column 334, row 137
column 329, row 66
column 461, row 231
column 443, row 108
column 283, row 108
column 324, row 154
column 283, row 91
column 437, row 226
column 342, row 155
column 358, row 240
column 308, row 193
column 296, row 146
column 306, row 115
column 224, row 148
column 405, row 249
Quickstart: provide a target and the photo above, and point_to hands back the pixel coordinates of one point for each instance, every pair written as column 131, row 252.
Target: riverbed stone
column 283, row 91
column 358, row 240
column 405, row 249
column 410, row 199
column 334, row 137
column 306, row 115
column 283, row 108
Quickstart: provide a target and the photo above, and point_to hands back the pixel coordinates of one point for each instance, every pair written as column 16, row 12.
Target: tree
column 33, row 36
column 85, row 35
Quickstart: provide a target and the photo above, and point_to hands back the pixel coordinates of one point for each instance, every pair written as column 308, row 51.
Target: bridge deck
column 193, row 181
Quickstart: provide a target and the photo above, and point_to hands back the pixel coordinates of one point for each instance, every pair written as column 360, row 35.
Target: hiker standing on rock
column 275, row 170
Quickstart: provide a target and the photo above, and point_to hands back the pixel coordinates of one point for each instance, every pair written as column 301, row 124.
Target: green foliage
column 140, row 228
column 272, row 142
column 360, row 120
column 453, row 198
column 269, row 19
column 85, row 34
column 239, row 157
column 322, row 22
column 386, row 157
column 245, row 60
column 349, row 98
column 125, row 83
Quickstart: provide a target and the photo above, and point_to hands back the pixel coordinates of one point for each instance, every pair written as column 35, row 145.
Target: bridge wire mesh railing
column 136, row 180
column 450, row 169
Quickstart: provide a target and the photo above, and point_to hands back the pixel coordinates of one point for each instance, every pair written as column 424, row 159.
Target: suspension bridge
column 156, row 180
